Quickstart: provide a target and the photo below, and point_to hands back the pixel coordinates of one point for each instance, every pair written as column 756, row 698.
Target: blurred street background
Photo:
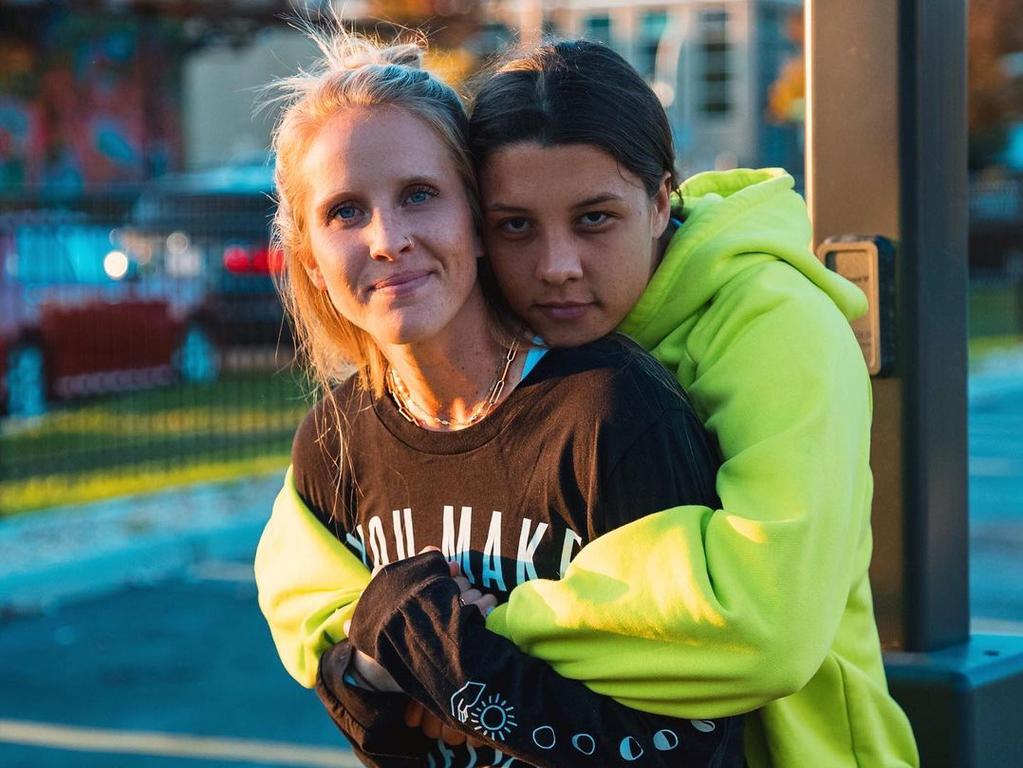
column 147, row 390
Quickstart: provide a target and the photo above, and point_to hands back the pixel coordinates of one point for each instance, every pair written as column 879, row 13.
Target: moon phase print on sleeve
column 494, row 717
column 630, row 748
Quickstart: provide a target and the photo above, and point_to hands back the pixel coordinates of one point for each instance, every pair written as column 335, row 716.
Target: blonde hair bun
column 347, row 51
column 404, row 55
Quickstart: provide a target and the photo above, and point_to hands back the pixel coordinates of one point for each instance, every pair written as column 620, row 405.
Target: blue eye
column 345, row 212
column 419, row 196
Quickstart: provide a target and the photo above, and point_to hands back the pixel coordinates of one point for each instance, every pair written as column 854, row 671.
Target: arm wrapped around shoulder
column 701, row 612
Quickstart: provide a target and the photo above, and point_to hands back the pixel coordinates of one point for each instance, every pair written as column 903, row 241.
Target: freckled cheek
column 514, row 276
column 623, row 295
column 342, row 276
column 524, row 257
column 447, row 238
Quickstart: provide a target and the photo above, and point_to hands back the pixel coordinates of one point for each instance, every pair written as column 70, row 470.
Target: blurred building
column 223, row 84
column 714, row 65
column 115, row 92
column 91, row 98
column 86, row 99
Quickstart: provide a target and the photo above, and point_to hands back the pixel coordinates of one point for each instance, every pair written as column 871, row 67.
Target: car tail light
column 240, row 259
column 237, row 259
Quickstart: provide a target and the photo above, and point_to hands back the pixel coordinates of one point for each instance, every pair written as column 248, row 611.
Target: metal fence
column 996, row 229
column 996, row 261
column 142, row 342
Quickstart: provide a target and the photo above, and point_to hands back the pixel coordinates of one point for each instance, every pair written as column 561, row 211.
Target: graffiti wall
column 86, row 100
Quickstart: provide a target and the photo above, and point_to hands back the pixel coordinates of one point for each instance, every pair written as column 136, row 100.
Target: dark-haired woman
column 762, row 605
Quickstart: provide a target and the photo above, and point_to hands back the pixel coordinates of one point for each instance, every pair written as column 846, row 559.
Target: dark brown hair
column 574, row 92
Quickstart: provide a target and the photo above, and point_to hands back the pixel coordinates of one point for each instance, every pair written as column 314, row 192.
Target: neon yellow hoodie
column 761, row 605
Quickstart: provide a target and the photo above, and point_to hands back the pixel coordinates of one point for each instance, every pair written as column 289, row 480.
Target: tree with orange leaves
column 995, row 91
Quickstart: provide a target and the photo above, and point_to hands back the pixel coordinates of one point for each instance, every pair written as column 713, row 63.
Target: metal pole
column 935, row 223
column 886, row 154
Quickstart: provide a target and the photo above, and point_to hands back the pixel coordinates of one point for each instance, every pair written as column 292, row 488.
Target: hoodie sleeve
column 695, row 611
column 412, row 622
column 308, row 584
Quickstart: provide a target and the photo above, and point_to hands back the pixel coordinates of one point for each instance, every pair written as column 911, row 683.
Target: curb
column 1000, row 376
column 984, row 389
column 75, row 552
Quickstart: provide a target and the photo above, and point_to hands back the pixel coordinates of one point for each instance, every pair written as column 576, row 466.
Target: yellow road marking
column 171, row 745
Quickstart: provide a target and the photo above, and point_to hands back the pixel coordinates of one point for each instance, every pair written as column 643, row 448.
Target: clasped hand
column 375, row 676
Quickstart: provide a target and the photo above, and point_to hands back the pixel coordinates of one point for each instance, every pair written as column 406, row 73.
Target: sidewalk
column 70, row 552
column 998, row 376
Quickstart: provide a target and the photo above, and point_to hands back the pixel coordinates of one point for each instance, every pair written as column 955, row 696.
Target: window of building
column 650, row 33
column 716, row 62
column 779, row 88
column 598, row 28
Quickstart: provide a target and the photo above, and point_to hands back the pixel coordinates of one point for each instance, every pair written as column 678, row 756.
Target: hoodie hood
column 733, row 220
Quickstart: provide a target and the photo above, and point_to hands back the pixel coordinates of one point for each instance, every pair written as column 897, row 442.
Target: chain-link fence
column 996, row 265
column 141, row 340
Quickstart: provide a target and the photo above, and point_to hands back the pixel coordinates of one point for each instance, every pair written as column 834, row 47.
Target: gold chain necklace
column 406, row 403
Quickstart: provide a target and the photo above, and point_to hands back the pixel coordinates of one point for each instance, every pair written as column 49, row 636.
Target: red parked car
column 75, row 322
column 213, row 227
column 182, row 286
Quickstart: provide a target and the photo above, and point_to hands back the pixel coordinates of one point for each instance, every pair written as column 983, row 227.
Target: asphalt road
column 171, row 674
column 996, row 506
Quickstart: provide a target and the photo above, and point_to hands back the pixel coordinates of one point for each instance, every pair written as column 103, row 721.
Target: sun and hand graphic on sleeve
column 494, row 717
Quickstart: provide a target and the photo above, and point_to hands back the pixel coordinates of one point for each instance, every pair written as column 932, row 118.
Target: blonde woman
column 455, row 433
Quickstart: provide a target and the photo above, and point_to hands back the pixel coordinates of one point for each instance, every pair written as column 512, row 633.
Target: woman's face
column 572, row 236
column 391, row 233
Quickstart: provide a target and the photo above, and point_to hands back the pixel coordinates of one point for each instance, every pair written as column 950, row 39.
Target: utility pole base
column 965, row 702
